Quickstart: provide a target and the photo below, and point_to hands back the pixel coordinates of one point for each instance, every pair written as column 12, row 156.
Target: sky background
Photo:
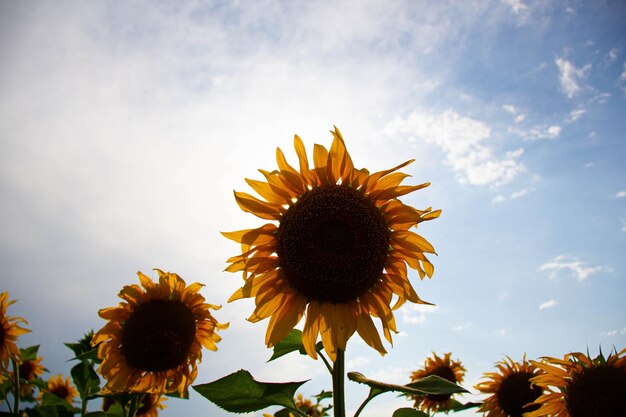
column 125, row 127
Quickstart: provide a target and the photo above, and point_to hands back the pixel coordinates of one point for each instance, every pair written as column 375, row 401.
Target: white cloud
column 570, row 76
column 516, row 5
column 519, row 118
column 547, row 304
column 623, row 76
column 576, row 267
column 612, row 55
column 624, row 227
column 514, row 195
column 357, row 362
column 620, row 194
column 509, row 108
column 538, row 132
column 417, row 313
column 600, row 98
column 462, row 140
column 575, row 115
column 615, row 332
column 462, row 327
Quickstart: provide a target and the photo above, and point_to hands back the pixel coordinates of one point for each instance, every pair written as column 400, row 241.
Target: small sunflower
column 579, row 386
column 155, row 336
column 30, row 370
column 510, row 389
column 62, row 388
column 10, row 329
column 445, row 368
column 150, row 406
column 339, row 253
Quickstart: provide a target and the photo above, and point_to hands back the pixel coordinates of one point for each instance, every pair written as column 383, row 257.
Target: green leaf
column 291, row 343
column 432, row 384
column 29, row 353
column 83, row 349
column 408, row 412
column 86, row 379
column 239, row 392
column 458, row 406
column 49, row 411
column 283, row 412
column 6, row 414
column 50, row 400
column 323, row 395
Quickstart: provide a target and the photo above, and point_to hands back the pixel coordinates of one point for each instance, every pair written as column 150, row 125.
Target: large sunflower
column 579, row 386
column 445, row 368
column 510, row 389
column 10, row 330
column 30, row 370
column 62, row 388
column 154, row 338
column 339, row 252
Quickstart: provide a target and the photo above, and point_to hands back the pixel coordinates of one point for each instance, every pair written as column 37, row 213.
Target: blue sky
column 125, row 127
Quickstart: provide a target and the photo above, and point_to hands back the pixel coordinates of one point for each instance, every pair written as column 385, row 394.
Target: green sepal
column 83, row 349
column 431, row 384
column 291, row 343
column 29, row 353
column 408, row 412
column 86, row 379
column 458, row 406
column 239, row 392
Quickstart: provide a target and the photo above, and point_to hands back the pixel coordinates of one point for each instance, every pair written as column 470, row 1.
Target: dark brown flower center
column 332, row 244
column 447, row 373
column 515, row 392
column 27, row 370
column 2, row 333
column 61, row 391
column 597, row 392
column 158, row 335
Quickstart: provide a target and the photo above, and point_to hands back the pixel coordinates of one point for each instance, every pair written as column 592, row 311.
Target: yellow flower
column 10, row 329
column 510, row 389
column 155, row 336
column 339, row 253
column 445, row 368
column 62, row 388
column 579, row 386
column 29, row 371
column 150, row 406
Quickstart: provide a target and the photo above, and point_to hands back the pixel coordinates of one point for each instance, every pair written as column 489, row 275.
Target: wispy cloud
column 538, row 132
column 620, row 194
column 575, row 114
column 462, row 327
column 574, row 265
column 616, row 332
column 570, row 76
column 513, row 196
column 547, row 304
column 462, row 139
column 417, row 313
column 519, row 117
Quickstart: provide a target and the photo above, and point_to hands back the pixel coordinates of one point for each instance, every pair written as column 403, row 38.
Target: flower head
column 579, row 386
column 29, row 371
column 445, row 368
column 510, row 389
column 10, row 329
column 154, row 338
column 62, row 388
column 339, row 252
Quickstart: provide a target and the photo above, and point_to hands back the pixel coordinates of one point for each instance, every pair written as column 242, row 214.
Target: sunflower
column 510, row 389
column 30, row 370
column 150, row 405
column 10, row 329
column 62, row 388
column 579, row 386
column 445, row 368
column 339, row 253
column 155, row 336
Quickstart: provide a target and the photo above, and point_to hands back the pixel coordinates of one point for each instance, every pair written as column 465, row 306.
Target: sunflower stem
column 16, row 394
column 339, row 403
